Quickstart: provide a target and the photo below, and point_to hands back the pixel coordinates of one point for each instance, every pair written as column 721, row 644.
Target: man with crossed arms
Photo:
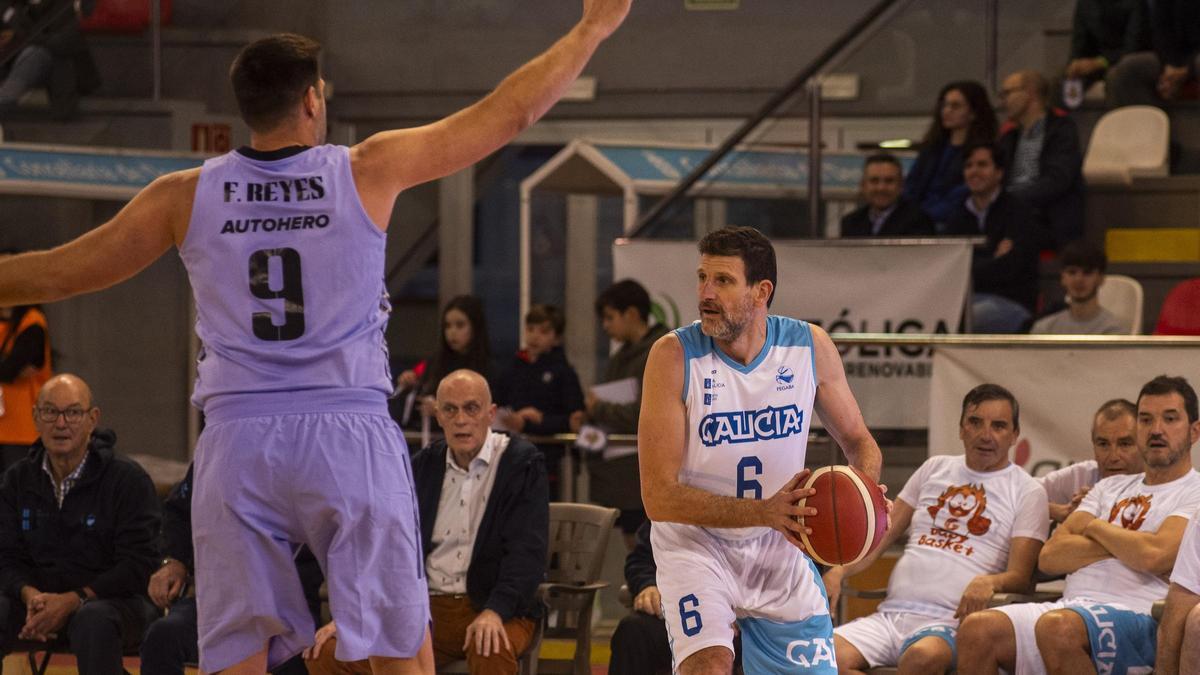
column 1116, row 550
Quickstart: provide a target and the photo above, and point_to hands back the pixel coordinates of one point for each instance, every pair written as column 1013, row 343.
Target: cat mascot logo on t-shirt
column 1132, row 511
column 963, row 501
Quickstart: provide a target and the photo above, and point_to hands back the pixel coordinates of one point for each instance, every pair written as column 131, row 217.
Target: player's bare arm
column 1149, row 552
column 1068, row 549
column 899, row 522
column 141, row 232
column 1180, row 602
column 391, row 161
column 1017, row 577
column 839, row 410
column 661, row 437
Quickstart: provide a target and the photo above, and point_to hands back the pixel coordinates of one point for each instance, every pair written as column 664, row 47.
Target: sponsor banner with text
column 846, row 288
column 1059, row 389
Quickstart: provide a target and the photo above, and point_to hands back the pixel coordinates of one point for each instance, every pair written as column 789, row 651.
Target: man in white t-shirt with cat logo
column 978, row 522
column 1116, row 549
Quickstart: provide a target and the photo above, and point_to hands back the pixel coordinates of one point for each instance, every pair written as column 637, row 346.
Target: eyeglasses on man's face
column 49, row 414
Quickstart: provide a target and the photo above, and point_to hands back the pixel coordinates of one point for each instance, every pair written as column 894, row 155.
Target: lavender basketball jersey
column 287, row 272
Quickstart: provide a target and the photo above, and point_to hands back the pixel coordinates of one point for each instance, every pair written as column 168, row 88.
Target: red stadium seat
column 1180, row 313
column 123, row 16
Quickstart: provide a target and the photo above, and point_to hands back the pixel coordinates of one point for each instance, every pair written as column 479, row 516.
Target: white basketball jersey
column 747, row 425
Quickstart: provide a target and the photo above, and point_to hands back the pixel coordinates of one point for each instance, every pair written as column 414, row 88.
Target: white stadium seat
column 1122, row 296
column 1128, row 143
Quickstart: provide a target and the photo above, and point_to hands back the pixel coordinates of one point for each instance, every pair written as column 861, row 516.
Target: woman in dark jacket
column 963, row 116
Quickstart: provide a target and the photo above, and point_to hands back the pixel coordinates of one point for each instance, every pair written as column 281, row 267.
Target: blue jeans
column 30, row 69
column 992, row 313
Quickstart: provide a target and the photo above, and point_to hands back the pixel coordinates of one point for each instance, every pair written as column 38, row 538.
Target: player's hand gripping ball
column 852, row 515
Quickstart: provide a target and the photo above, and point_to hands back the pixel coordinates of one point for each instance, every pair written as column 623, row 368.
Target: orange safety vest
column 16, row 424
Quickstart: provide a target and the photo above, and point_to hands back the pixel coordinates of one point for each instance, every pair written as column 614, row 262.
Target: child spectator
column 464, row 345
column 541, row 388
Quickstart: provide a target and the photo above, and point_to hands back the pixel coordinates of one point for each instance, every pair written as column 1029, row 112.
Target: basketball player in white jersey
column 283, row 243
column 726, row 408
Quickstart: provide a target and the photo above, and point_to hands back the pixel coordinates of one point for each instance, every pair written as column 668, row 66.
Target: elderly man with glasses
column 485, row 514
column 78, row 536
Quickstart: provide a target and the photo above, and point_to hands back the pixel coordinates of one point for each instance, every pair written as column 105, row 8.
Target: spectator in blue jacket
column 541, row 388
column 963, row 115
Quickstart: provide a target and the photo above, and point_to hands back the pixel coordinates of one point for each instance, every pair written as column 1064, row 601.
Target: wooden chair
column 40, row 653
column 1156, row 610
column 578, row 540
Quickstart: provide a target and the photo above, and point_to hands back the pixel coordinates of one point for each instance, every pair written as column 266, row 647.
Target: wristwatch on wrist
column 166, row 561
column 83, row 597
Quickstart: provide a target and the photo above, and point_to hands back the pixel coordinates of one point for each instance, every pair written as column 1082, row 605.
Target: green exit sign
column 711, row 4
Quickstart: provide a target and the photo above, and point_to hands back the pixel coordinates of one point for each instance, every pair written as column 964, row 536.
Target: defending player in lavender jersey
column 283, row 244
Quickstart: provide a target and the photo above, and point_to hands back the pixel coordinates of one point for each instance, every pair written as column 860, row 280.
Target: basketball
column 851, row 515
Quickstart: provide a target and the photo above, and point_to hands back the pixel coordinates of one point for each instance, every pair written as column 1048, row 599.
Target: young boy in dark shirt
column 541, row 388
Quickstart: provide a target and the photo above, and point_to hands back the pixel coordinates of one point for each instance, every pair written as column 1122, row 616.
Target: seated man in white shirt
column 978, row 522
column 1116, row 550
column 485, row 519
column 1114, row 442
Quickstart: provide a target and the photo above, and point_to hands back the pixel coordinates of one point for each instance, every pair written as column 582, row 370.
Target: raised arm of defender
column 391, row 161
column 661, row 437
column 140, row 232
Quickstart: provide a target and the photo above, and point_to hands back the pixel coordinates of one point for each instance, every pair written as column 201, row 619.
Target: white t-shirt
column 1062, row 484
column 1187, row 563
column 1126, row 500
column 963, row 525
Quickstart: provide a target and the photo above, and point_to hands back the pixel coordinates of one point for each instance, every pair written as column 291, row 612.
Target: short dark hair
column 993, row 150
column 270, row 77
column 1164, row 385
column 1117, row 407
column 883, row 158
column 1083, row 254
column 747, row 243
column 539, row 314
column 623, row 295
column 991, row 392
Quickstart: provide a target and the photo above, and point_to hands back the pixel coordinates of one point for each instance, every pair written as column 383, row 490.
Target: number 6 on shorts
column 690, row 615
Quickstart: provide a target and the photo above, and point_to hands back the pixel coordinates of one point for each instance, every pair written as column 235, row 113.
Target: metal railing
column 1022, row 341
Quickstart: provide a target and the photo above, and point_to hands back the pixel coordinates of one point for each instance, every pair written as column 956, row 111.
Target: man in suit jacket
column 886, row 213
column 485, row 520
column 1005, row 268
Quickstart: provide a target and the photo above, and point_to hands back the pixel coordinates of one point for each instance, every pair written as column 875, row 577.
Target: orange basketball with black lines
column 851, row 515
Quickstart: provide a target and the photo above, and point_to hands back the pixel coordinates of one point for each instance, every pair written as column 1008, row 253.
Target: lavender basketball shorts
column 340, row 482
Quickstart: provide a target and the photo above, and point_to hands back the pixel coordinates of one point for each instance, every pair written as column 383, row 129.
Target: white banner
column 846, row 287
column 1059, row 390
